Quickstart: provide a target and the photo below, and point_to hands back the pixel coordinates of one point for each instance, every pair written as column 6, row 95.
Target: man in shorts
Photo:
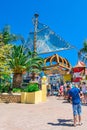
column 74, row 93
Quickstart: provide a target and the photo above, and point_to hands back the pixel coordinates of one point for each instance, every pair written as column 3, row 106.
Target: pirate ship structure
column 43, row 40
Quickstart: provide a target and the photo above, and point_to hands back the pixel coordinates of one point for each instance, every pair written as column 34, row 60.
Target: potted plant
column 32, row 94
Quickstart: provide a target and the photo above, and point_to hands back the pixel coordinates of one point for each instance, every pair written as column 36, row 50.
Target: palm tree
column 82, row 54
column 35, row 64
column 6, row 41
column 8, row 37
column 20, row 59
column 18, row 64
column 23, row 61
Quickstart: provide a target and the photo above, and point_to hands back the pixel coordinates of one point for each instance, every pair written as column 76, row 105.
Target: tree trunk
column 33, row 76
column 17, row 80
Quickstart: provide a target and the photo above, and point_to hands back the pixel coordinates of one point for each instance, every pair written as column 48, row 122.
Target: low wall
column 38, row 96
column 10, row 98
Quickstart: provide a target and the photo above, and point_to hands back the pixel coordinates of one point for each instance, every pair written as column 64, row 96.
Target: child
column 61, row 90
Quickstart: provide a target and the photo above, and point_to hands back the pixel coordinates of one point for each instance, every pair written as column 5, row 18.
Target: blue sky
column 67, row 18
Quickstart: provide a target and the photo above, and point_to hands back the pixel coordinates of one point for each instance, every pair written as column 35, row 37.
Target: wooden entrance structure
column 56, row 64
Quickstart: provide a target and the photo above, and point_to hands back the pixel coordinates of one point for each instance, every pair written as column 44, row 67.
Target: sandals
column 80, row 124
column 77, row 124
column 74, row 125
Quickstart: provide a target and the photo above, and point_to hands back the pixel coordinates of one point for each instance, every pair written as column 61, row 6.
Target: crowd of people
column 76, row 94
column 61, row 89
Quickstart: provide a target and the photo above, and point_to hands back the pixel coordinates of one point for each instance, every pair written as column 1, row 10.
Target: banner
column 67, row 77
column 78, row 73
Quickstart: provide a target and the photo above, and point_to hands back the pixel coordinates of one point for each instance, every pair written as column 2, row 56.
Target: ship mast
column 35, row 30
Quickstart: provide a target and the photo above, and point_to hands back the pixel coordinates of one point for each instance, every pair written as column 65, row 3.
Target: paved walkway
column 54, row 114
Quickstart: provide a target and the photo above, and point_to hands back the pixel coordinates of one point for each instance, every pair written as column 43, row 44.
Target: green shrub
column 32, row 87
column 4, row 88
column 16, row 90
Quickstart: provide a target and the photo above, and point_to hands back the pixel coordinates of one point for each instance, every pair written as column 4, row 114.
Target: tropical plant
column 6, row 41
column 82, row 54
column 5, row 87
column 8, row 38
column 35, row 64
column 16, row 90
column 17, row 60
column 32, row 87
column 23, row 61
column 4, row 51
column 18, row 64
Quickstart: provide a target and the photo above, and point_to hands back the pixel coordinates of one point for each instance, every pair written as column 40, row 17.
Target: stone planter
column 10, row 98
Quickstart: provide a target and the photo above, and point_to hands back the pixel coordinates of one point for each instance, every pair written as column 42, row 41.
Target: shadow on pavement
column 65, row 101
column 62, row 122
column 84, row 104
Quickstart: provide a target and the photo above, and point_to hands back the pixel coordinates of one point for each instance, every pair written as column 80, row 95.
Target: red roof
column 80, row 64
column 79, row 67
